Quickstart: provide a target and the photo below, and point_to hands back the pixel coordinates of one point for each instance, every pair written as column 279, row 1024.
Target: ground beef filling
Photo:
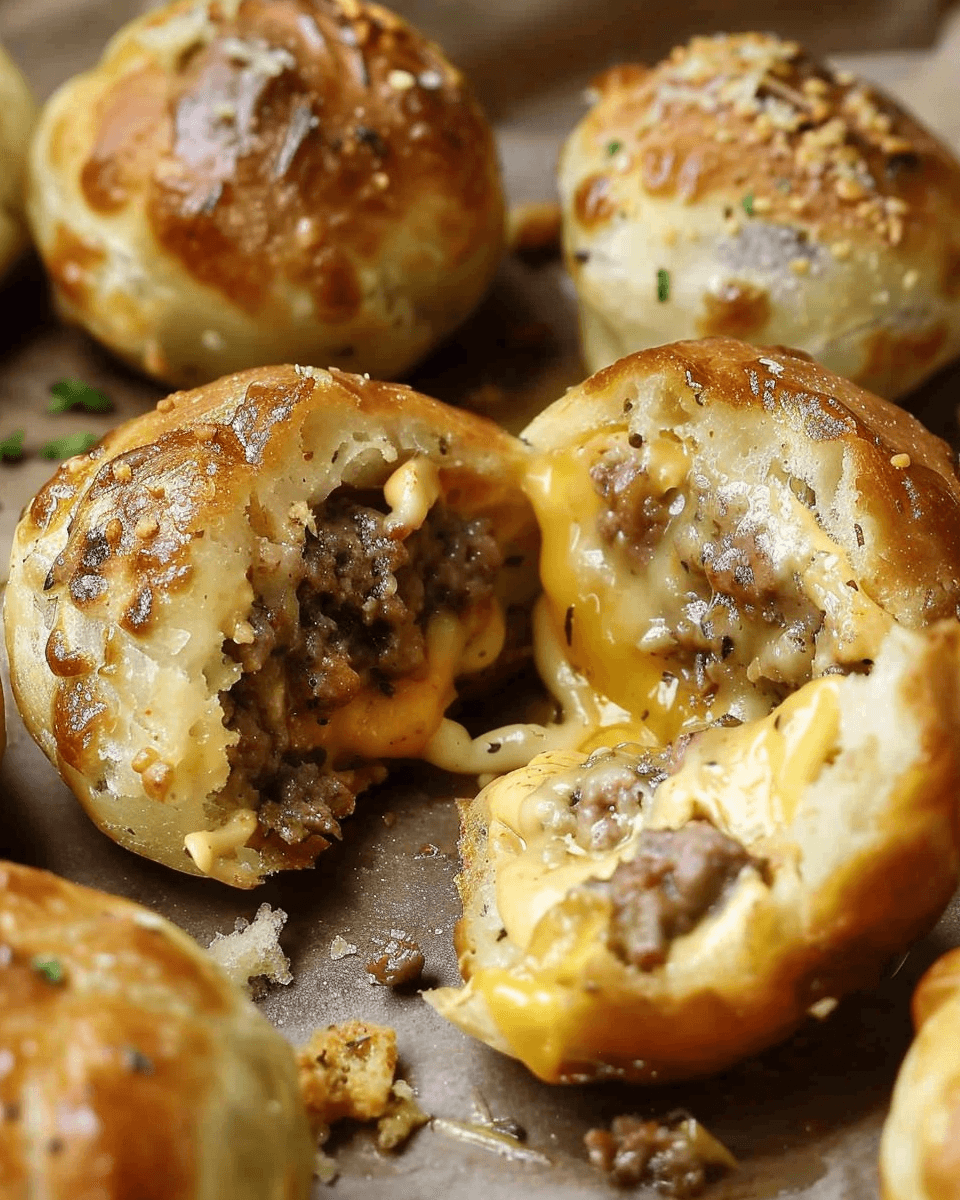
column 667, row 1154
column 673, row 880
column 363, row 602
column 728, row 611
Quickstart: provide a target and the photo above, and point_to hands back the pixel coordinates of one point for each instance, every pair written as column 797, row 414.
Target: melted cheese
column 213, row 849
column 411, row 491
column 587, row 719
column 749, row 780
column 619, row 618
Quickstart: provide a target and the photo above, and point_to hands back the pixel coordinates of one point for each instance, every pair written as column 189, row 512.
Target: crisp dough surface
column 250, row 181
column 132, row 569
column 837, row 817
column 17, row 117
column 744, row 520
column 740, row 188
column 132, row 1069
column 919, row 1156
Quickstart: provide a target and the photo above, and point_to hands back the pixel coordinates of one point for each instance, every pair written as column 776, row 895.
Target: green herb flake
column 11, row 448
column 50, row 968
column 614, row 148
column 67, row 447
column 747, row 203
column 74, row 393
column 663, row 285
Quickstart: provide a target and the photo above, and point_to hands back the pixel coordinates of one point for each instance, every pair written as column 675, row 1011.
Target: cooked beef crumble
column 667, row 1154
column 675, row 877
column 607, row 800
column 725, row 606
column 363, row 601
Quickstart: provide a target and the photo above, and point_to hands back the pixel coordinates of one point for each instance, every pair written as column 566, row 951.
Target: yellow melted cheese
column 618, row 615
column 749, row 780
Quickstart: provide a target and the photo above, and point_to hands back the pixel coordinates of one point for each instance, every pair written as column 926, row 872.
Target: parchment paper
column 803, row 1119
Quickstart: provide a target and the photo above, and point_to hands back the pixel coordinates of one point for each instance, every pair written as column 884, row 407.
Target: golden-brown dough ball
column 741, row 188
column 651, row 915
column 919, row 1157
column 240, row 182
column 225, row 616
column 17, row 116
column 129, row 1065
column 723, row 522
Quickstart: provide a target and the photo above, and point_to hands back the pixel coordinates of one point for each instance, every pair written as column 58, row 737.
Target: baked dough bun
column 240, row 182
column 651, row 917
column 131, row 1067
column 918, row 1149
column 740, row 188
column 17, row 116
column 722, row 523
column 224, row 616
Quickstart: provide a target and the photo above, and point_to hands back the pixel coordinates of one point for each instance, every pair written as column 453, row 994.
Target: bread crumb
column 347, row 1072
column 901, row 461
column 800, row 266
column 341, row 948
column 253, row 949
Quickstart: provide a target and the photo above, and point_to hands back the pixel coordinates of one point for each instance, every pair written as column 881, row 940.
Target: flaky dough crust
column 132, row 1069
column 131, row 569
column 760, row 478
column 845, row 801
column 240, row 182
column 740, row 188
column 919, row 1156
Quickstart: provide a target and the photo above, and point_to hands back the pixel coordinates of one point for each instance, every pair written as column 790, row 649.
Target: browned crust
column 111, row 546
column 151, row 487
column 833, row 150
column 247, row 181
column 131, row 1030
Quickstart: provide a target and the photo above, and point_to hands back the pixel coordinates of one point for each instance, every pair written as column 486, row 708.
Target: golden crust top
column 740, row 188
column 797, row 141
column 283, row 124
column 249, row 181
column 113, row 1022
column 136, row 502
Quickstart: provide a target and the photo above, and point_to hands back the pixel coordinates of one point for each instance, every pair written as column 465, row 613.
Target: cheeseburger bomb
column 249, row 181
column 740, row 188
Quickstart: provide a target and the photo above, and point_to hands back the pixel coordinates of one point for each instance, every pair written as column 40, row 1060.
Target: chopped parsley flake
column 50, row 968
column 663, row 285
column 747, row 203
column 11, row 448
column 614, row 148
column 67, row 447
column 74, row 393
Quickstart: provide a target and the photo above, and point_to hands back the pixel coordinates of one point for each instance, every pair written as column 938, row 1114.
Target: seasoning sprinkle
column 663, row 285
column 68, row 394
column 747, row 203
column 11, row 448
column 50, row 968
column 614, row 148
